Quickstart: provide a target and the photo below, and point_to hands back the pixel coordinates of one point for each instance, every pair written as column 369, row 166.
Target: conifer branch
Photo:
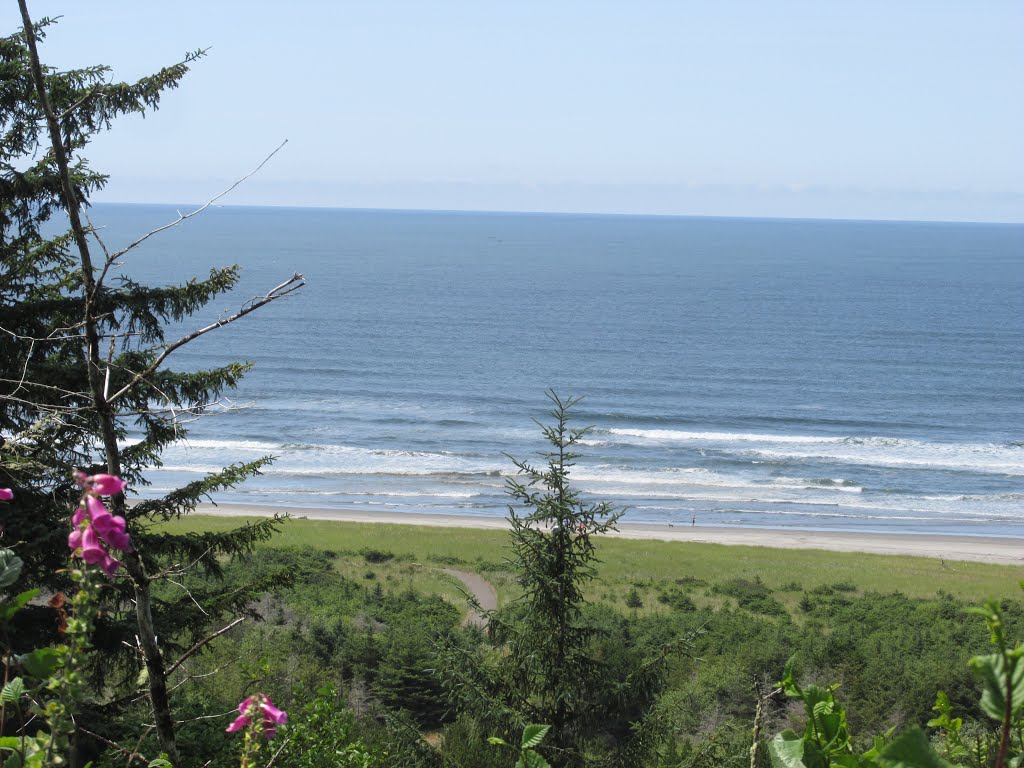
column 290, row 285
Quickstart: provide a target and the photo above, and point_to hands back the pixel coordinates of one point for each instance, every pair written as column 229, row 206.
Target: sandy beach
column 985, row 549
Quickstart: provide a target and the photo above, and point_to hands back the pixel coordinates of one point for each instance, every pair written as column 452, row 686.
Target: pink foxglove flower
column 110, row 528
column 258, row 708
column 94, row 526
column 92, row 550
column 98, row 514
column 106, row 485
column 6, row 494
column 109, row 565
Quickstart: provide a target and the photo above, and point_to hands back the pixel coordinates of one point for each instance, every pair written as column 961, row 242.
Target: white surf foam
column 881, row 451
column 685, row 436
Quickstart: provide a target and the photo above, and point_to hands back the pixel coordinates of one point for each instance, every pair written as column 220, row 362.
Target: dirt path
column 481, row 589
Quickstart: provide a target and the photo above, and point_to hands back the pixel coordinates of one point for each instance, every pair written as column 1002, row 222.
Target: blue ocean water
column 783, row 373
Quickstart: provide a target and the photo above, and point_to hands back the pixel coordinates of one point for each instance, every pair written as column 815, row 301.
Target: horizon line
column 507, row 212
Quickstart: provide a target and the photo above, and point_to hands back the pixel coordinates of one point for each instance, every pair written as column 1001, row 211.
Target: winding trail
column 481, row 589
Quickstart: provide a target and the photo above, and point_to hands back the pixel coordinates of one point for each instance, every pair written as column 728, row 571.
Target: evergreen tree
column 84, row 357
column 547, row 667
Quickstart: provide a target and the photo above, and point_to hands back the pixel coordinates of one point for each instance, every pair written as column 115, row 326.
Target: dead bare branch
column 203, row 642
column 288, row 286
column 184, row 216
column 133, row 755
column 211, row 673
column 280, row 749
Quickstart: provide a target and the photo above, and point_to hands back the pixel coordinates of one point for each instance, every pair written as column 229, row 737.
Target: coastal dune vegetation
column 143, row 634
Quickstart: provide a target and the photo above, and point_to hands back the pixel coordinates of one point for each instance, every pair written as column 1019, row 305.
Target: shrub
column 376, row 556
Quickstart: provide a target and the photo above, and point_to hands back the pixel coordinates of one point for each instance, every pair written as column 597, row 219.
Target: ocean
column 801, row 374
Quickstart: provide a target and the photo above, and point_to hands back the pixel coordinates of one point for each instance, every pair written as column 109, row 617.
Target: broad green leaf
column 787, row 750
column 497, row 742
column 911, row 750
column 13, row 760
column 945, row 718
column 13, row 691
column 786, row 683
column 534, row 734
column 10, row 567
column 10, row 742
column 8, row 609
column 991, row 673
column 41, row 662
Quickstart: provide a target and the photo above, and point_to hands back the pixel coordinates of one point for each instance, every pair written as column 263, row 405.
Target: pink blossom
column 106, row 485
column 109, row 565
column 98, row 514
column 118, row 540
column 6, row 494
column 92, row 551
column 94, row 526
column 254, row 706
column 111, row 528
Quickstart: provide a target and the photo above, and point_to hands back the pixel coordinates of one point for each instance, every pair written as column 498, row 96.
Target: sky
column 838, row 109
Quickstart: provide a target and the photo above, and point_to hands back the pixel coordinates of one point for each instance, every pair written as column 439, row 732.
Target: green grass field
column 649, row 567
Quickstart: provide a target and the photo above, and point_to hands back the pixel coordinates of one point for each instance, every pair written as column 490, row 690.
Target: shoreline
column 983, row 549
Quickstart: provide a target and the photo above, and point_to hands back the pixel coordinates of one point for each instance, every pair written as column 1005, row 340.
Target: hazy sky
column 907, row 109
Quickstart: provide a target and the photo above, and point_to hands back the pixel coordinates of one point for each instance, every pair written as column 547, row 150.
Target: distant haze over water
column 751, row 372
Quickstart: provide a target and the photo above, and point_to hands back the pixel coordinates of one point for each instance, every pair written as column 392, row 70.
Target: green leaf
column 786, row 683
column 10, row 567
column 10, row 742
column 787, row 750
column 911, row 750
column 14, row 761
column 7, row 610
column 534, row 735
column 991, row 671
column 41, row 662
column 13, row 691
column 531, row 759
column 497, row 742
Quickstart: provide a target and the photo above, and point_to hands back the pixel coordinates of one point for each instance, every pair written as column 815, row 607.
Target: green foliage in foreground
column 827, row 741
column 343, row 654
column 891, row 651
column 375, row 643
column 533, row 735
